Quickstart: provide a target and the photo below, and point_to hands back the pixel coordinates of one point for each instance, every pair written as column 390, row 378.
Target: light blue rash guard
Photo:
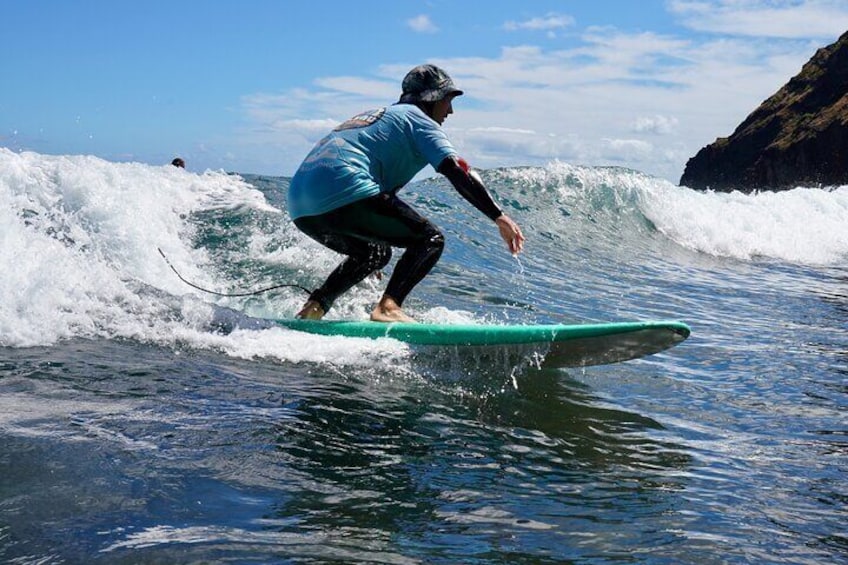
column 374, row 152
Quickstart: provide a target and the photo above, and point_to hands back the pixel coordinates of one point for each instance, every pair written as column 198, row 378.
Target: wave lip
column 803, row 226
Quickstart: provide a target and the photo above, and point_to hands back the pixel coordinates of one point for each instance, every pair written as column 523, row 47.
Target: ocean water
column 145, row 421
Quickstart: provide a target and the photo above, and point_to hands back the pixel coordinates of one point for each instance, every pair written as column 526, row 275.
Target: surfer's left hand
column 511, row 233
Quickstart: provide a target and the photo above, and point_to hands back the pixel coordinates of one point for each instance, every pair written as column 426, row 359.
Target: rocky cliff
column 798, row 137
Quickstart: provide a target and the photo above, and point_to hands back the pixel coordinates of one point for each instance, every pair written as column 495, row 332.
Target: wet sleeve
column 470, row 186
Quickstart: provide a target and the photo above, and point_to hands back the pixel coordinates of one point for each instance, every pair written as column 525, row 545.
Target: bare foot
column 388, row 311
column 379, row 315
column 311, row 311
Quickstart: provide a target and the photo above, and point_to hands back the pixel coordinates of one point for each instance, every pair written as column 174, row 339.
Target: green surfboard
column 563, row 345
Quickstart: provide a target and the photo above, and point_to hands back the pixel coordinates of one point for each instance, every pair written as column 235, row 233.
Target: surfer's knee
column 429, row 246
column 435, row 240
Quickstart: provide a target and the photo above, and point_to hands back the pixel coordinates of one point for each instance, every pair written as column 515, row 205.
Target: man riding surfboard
column 344, row 195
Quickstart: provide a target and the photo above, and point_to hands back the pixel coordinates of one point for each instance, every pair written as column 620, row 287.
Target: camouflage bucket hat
column 427, row 83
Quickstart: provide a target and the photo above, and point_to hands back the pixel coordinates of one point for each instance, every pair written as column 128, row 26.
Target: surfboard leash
column 235, row 294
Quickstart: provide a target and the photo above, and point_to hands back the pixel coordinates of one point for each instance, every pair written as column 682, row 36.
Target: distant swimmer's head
column 178, row 162
column 427, row 83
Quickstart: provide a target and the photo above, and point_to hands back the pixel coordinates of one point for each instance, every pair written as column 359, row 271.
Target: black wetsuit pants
column 366, row 231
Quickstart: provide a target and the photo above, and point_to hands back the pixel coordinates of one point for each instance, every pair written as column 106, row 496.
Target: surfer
column 344, row 195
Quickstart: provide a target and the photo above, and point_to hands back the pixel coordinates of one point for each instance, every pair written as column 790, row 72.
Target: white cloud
column 658, row 125
column 627, row 149
column 422, row 24
column 358, row 86
column 765, row 18
column 495, row 146
column 308, row 126
column 550, row 22
column 498, row 130
column 644, row 100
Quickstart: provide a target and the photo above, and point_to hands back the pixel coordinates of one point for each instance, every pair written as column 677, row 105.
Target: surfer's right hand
column 511, row 233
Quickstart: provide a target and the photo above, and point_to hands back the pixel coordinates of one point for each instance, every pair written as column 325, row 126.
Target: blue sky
column 249, row 86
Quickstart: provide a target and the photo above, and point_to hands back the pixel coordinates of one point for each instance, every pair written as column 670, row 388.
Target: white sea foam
column 803, row 226
column 79, row 258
